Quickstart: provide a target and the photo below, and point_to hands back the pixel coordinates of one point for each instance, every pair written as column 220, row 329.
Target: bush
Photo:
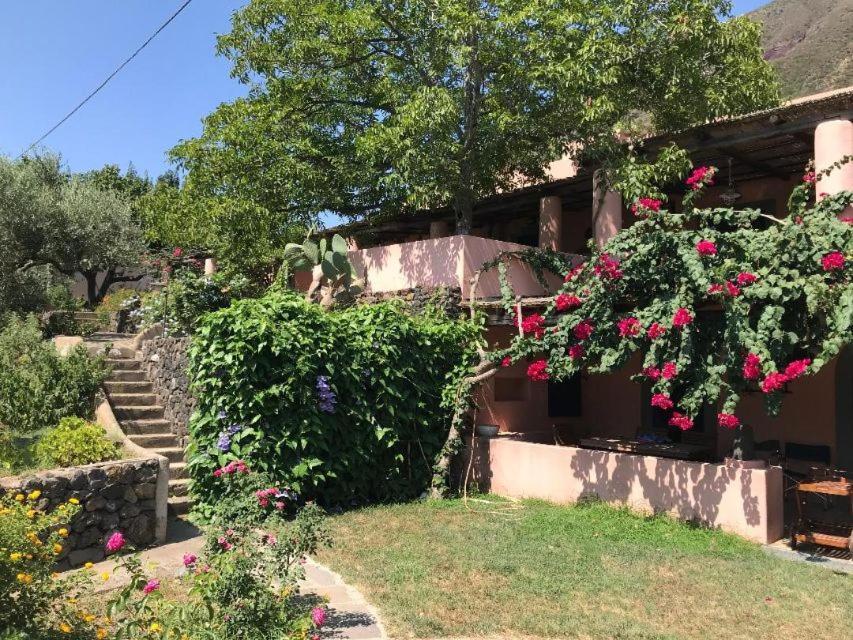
column 341, row 406
column 75, row 442
column 36, row 602
column 38, row 387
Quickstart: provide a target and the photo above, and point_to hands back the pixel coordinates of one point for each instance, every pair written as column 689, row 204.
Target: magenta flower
column 318, row 616
column 706, row 248
column 669, row 371
column 681, row 421
column 744, row 278
column 189, row 559
column 116, row 542
column 662, row 401
column 576, row 351
column 728, row 420
column 833, row 261
column 151, row 585
column 681, row 318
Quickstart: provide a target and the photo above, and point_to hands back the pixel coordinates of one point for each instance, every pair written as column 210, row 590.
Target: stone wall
column 166, row 363
column 114, row 496
column 447, row 299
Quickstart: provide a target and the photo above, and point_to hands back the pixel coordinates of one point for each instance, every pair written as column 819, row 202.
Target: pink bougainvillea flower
column 571, row 275
column 745, row 278
column 728, row 420
column 150, row 586
column 810, row 177
column 576, row 351
column 681, row 421
column 706, row 248
column 652, row 373
column 669, row 371
column 732, row 289
column 318, row 616
column 116, row 542
column 566, row 302
column 751, row 367
column 608, row 267
column 506, row 362
column 223, row 543
column 533, row 324
column 662, row 401
column 797, row 368
column 629, row 327
column 177, row 252
column 846, row 219
column 700, row 176
column 773, row 382
column 645, row 205
column 681, row 318
column 715, row 289
column 833, row 261
column 583, row 330
column 190, row 559
column 655, row 331
column 538, row 371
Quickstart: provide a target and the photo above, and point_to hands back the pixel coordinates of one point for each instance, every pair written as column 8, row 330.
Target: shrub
column 36, row 602
column 38, row 387
column 75, row 442
column 341, row 406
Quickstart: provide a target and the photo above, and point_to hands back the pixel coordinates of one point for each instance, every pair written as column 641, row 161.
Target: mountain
column 809, row 42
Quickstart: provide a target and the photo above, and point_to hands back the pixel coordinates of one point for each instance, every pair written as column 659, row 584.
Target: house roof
column 772, row 143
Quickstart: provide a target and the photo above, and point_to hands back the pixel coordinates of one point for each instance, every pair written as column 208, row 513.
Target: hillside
column 810, row 42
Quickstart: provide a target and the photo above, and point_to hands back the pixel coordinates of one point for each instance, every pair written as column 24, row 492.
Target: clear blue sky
column 57, row 51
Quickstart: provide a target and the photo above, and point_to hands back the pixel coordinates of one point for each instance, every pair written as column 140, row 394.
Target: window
column 564, row 398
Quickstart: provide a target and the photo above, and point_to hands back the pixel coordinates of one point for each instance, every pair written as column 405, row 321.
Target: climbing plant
column 716, row 302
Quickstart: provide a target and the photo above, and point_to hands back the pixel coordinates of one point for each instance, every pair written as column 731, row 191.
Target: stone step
column 180, row 505
column 179, row 487
column 138, row 412
column 178, row 470
column 118, row 386
column 155, row 440
column 127, row 375
column 109, row 336
column 146, row 427
column 124, row 364
column 133, row 399
column 175, row 454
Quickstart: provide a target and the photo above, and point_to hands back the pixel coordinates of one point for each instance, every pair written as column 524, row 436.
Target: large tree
column 69, row 223
column 368, row 107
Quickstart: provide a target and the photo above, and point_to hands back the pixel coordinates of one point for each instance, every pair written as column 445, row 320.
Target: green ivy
column 255, row 369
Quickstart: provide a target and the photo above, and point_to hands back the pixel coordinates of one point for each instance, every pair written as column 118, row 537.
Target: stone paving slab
column 349, row 615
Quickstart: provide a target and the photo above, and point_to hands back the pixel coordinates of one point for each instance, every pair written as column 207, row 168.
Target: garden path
column 350, row 616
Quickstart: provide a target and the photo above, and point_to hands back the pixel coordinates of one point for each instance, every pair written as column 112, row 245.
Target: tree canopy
column 369, row 107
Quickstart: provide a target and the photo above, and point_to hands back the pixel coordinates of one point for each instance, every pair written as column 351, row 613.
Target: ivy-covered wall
column 342, row 406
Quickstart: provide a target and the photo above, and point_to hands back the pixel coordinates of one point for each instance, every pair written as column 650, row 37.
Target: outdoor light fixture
column 730, row 196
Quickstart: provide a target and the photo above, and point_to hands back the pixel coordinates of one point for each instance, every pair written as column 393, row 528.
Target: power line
column 105, row 82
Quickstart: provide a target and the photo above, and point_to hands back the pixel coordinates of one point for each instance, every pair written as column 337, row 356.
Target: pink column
column 209, row 266
column 606, row 211
column 550, row 223
column 833, row 140
column 439, row 229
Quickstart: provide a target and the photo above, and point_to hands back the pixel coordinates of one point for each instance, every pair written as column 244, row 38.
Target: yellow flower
column 24, row 578
column 57, row 548
column 105, row 576
column 73, row 501
column 155, row 627
column 14, row 557
column 31, row 513
column 63, row 533
column 34, row 495
column 101, row 634
column 89, row 565
column 65, row 627
column 88, row 617
column 19, row 497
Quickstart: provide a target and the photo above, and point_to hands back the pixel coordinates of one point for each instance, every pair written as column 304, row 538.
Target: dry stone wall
column 114, row 496
column 167, row 364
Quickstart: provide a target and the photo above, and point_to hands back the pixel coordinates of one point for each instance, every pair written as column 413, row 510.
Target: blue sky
column 56, row 52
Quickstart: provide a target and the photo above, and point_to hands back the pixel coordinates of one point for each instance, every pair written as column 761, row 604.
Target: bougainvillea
column 715, row 304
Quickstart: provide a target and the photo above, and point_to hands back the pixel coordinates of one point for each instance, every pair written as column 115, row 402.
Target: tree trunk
column 91, row 287
column 464, row 208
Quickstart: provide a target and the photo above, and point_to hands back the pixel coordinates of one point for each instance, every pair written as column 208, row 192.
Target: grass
column 532, row 569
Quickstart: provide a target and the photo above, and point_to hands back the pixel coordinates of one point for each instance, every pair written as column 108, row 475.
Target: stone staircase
column 135, row 406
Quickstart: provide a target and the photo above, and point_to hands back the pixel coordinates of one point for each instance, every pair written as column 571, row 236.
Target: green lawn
column 444, row 569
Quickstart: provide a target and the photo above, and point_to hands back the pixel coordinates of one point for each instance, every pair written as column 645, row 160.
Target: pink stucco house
column 541, row 451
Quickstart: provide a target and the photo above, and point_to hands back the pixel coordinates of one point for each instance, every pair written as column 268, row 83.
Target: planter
column 487, row 430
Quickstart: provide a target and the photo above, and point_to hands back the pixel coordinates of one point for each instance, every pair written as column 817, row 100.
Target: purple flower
column 326, row 399
column 116, row 542
column 318, row 616
column 224, row 442
column 190, row 559
column 222, row 415
column 234, row 429
column 151, row 585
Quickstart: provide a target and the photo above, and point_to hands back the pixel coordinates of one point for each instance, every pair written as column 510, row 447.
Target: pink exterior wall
column 747, row 502
column 448, row 262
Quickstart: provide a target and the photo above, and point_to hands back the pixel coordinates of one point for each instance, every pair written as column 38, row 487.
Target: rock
column 129, row 511
column 82, row 556
column 113, row 491
column 55, row 486
column 129, row 495
column 141, row 530
column 31, row 484
column 77, row 480
column 145, row 474
column 109, row 521
column 84, row 521
column 113, row 505
column 90, row 537
column 97, row 478
column 96, row 504
column 148, row 505
column 145, row 491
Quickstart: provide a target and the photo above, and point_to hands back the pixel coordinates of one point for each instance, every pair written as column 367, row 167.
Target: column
column 833, row 140
column 550, row 223
column 209, row 266
column 606, row 211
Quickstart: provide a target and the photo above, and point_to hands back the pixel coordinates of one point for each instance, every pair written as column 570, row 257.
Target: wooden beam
column 756, row 164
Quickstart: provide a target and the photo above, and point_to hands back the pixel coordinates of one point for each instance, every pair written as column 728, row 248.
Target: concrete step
column 180, row 505
column 146, row 427
column 179, row 487
column 127, row 375
column 118, row 386
column 138, row 412
column 85, row 315
column 155, row 440
column 178, row 470
column 175, row 454
column 109, row 336
column 124, row 363
column 133, row 399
